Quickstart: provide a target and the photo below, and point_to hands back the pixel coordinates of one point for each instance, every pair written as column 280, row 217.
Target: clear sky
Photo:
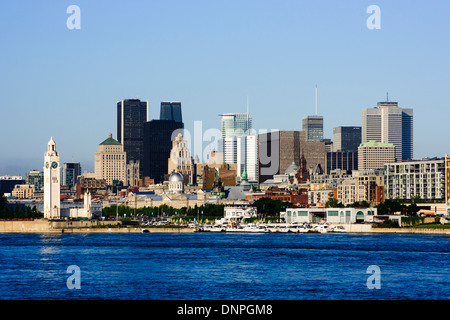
column 210, row 55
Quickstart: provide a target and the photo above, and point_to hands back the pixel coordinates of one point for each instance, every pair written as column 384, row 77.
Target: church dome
column 176, row 177
column 293, row 167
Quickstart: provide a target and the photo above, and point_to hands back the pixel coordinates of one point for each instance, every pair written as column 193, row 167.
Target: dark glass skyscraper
column 171, row 111
column 346, row 139
column 131, row 116
column 158, row 136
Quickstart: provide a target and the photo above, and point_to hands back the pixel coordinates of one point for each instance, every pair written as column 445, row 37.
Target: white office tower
column 52, row 204
column 247, row 157
column 388, row 123
column 233, row 125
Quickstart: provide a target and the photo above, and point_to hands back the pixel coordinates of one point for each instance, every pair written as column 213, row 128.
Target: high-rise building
column 343, row 160
column 171, row 110
column 278, row 150
column 313, row 128
column 69, row 173
column 180, row 159
column 247, row 157
column 346, row 139
column 158, row 137
column 52, row 182
column 409, row 179
column 131, row 116
column 35, row 178
column 388, row 123
column 110, row 161
column 233, row 125
column 373, row 155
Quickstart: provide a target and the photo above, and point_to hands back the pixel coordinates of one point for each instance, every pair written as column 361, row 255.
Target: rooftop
column 110, row 141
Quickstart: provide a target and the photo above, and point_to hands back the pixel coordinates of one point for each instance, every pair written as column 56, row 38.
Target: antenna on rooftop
column 387, row 96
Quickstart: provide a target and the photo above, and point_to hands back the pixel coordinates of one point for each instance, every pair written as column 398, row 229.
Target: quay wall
column 86, row 226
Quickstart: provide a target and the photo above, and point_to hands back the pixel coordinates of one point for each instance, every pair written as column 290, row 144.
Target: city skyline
column 64, row 83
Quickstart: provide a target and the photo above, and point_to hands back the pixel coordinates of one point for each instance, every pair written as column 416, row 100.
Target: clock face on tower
column 46, row 164
column 54, row 165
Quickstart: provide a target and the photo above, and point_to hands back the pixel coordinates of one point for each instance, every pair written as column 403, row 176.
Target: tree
column 333, row 203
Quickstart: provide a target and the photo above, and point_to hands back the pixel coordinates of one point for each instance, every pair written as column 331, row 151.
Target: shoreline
column 59, row 227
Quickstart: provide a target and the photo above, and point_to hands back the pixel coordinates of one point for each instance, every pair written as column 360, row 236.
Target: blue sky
column 210, row 55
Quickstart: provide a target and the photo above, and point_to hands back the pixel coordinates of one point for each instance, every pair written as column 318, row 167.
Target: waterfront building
column 238, row 212
column 69, row 173
column 35, row 178
column 110, row 161
column 373, row 155
column 52, row 182
column 23, row 191
column 158, row 137
column 425, row 179
column 180, row 159
column 131, row 116
column 388, row 123
column 329, row 215
column 313, row 128
column 320, row 193
column 171, row 110
column 346, row 139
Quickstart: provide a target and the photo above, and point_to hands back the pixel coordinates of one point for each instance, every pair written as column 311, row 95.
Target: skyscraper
column 171, row 111
column 110, row 161
column 158, row 137
column 388, row 123
column 131, row 116
column 69, row 173
column 313, row 128
column 247, row 157
column 233, row 125
column 346, row 139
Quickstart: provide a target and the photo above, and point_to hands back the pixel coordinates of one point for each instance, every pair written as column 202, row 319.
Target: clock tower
column 51, row 182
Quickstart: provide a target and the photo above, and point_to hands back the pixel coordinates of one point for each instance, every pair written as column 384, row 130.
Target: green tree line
column 17, row 211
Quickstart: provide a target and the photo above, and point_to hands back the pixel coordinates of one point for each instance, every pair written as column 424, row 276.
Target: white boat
column 322, row 228
column 250, row 228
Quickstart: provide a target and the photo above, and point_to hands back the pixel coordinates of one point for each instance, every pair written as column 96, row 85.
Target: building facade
column 313, row 128
column 346, row 139
column 233, row 125
column 388, row 123
column 69, row 173
column 171, row 110
column 35, row 178
column 373, row 155
column 425, row 179
column 131, row 116
column 158, row 137
column 180, row 159
column 347, row 161
column 110, row 161
column 23, row 191
column 247, row 157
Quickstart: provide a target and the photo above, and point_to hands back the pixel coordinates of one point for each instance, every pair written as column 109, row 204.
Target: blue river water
column 220, row 266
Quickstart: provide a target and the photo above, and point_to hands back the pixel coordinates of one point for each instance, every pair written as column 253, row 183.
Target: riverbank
column 45, row 226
